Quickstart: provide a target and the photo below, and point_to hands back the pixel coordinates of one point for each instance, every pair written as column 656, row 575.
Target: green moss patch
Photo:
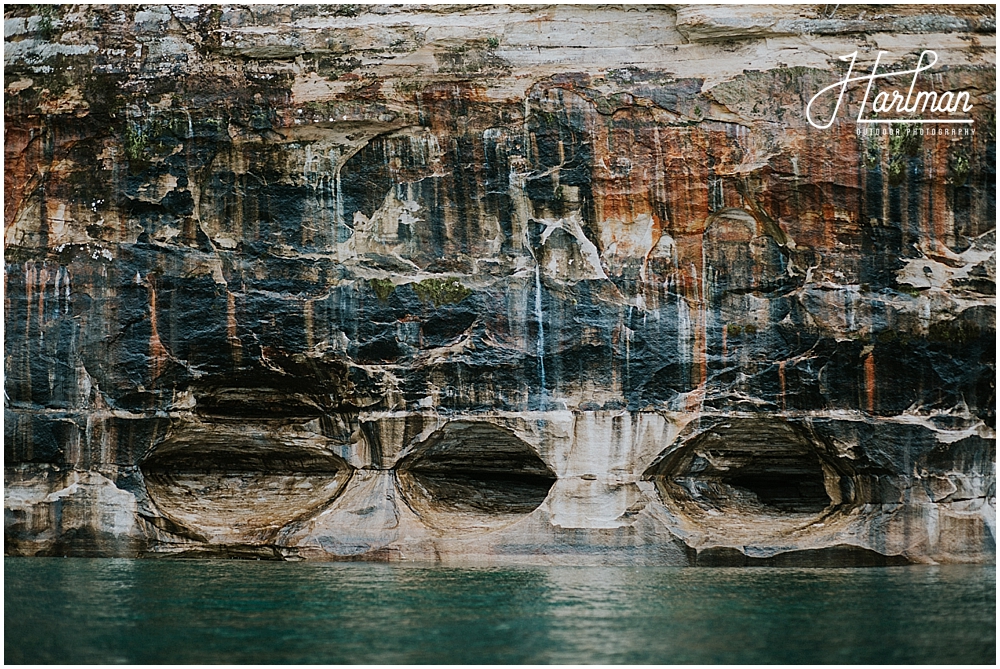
column 382, row 288
column 441, row 291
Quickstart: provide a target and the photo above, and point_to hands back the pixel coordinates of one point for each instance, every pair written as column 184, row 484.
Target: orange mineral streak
column 19, row 174
column 646, row 179
column 941, row 220
column 870, row 383
column 814, row 190
column 38, row 169
column 157, row 351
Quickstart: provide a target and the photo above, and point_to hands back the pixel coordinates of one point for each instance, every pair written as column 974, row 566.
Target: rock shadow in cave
column 474, row 476
column 748, row 468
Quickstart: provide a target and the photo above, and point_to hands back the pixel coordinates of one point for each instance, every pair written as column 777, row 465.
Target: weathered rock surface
column 469, row 284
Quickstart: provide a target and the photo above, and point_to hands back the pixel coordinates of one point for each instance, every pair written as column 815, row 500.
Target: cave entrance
column 237, row 485
column 474, row 475
column 748, row 467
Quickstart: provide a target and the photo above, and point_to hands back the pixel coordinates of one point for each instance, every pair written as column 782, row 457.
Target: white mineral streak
column 76, row 501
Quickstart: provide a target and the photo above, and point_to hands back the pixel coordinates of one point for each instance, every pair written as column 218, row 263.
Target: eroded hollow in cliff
column 474, row 476
column 235, row 487
column 747, row 474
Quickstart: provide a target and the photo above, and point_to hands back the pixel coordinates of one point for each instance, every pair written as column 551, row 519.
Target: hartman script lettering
column 903, row 107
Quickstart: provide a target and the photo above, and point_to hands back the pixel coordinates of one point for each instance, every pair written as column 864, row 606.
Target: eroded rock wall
column 532, row 283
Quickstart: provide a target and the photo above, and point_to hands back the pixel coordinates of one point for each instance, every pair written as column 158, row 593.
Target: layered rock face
column 511, row 284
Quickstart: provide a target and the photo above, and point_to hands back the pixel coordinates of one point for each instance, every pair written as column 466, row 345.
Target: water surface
column 192, row 611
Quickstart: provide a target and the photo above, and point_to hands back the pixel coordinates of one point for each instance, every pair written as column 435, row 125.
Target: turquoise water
column 157, row 611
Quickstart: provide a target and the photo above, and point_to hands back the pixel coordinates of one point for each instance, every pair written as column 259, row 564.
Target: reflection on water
column 108, row 611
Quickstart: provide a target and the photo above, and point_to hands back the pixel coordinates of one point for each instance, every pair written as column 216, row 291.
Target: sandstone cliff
column 529, row 283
